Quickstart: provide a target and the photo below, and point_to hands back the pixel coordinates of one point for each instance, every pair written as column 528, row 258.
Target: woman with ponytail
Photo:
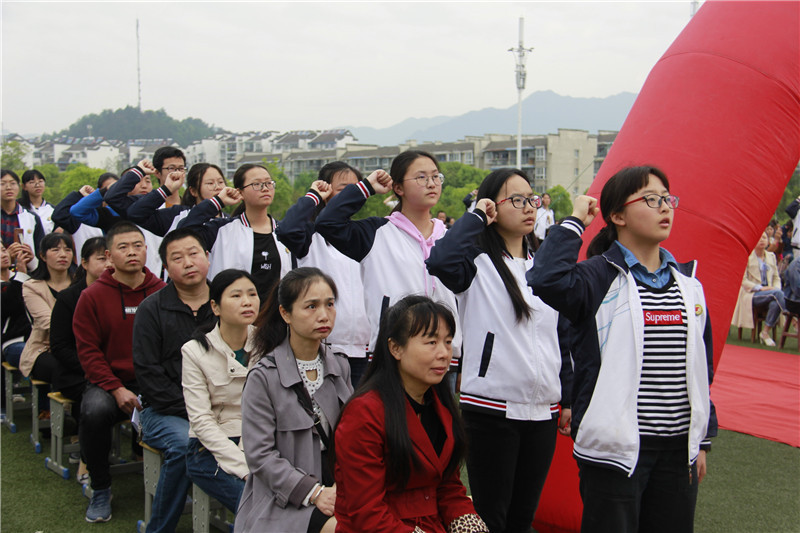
column 641, row 339
column 215, row 365
column 290, row 403
column 510, row 384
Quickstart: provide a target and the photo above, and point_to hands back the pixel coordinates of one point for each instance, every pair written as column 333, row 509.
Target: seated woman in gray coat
column 290, row 402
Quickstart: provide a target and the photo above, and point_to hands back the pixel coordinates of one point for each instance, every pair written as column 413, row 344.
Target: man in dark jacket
column 164, row 322
column 103, row 327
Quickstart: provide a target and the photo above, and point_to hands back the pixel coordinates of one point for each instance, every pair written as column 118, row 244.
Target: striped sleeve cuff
column 138, row 171
column 573, row 224
column 217, row 203
column 365, row 188
column 164, row 192
column 314, row 195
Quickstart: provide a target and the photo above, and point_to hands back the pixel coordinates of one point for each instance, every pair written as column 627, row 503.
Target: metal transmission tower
column 519, row 55
column 138, row 68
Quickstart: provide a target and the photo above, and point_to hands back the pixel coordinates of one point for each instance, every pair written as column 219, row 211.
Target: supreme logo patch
column 663, row 318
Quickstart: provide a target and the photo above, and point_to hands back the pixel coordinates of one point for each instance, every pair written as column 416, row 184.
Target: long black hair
column 221, row 281
column 612, row 200
column 493, row 244
column 272, row 330
column 49, row 242
column 411, row 316
column 29, row 175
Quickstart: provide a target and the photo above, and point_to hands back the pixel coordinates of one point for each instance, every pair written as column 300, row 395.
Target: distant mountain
column 542, row 112
column 403, row 130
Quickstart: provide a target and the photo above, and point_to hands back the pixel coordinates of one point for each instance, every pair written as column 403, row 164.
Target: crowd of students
column 302, row 371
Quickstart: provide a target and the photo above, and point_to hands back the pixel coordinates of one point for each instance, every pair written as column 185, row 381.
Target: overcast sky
column 282, row 66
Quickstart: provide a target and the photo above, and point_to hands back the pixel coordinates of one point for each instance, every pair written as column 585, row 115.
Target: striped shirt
column 663, row 403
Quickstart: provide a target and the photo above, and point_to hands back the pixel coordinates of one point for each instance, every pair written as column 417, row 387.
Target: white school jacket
column 509, row 368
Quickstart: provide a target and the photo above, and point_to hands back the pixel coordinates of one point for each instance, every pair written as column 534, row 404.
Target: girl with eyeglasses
column 203, row 181
column 21, row 229
column 641, row 348
column 32, row 198
column 246, row 240
column 392, row 250
column 510, row 384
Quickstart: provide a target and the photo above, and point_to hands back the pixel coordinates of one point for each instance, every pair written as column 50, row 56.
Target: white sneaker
column 766, row 339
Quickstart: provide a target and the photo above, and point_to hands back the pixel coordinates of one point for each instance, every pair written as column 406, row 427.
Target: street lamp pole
column 519, row 55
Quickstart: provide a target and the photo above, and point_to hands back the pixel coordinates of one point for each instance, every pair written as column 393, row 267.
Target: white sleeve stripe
column 313, row 197
column 363, row 189
column 574, row 226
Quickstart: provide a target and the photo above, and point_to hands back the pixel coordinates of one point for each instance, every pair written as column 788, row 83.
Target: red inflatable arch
column 720, row 114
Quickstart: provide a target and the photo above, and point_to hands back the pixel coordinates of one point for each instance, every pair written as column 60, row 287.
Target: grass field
column 753, row 486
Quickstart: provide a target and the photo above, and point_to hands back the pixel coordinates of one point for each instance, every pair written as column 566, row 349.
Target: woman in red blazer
column 400, row 441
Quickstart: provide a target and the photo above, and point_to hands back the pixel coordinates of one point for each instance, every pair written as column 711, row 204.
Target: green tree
column 303, row 181
column 75, row 177
column 560, row 202
column 461, row 175
column 284, row 193
column 450, row 201
column 373, row 207
column 13, row 156
column 131, row 123
column 53, row 178
column 791, row 192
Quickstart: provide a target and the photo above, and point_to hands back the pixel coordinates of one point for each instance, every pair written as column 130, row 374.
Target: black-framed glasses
column 519, row 201
column 260, row 185
column 655, row 201
column 422, row 180
column 174, row 169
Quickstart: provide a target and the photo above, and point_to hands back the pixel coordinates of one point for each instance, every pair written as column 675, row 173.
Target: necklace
column 312, row 386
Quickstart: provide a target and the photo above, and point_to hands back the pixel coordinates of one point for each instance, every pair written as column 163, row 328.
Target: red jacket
column 103, row 327
column 430, row 501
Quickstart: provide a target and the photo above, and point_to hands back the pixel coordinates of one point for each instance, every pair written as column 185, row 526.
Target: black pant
column 99, row 414
column 358, row 365
column 507, row 463
column 45, row 367
column 659, row 497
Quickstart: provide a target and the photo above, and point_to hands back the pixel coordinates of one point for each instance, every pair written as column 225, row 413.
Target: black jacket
column 163, row 324
column 15, row 322
column 62, row 340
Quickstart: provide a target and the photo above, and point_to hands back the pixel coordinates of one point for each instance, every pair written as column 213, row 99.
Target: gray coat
column 282, row 451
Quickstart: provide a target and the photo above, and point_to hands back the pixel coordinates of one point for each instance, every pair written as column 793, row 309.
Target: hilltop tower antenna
column 138, row 67
column 519, row 55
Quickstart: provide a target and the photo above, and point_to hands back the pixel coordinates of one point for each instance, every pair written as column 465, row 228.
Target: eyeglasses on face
column 519, row 201
column 260, row 185
column 655, row 201
column 422, row 179
column 174, row 169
